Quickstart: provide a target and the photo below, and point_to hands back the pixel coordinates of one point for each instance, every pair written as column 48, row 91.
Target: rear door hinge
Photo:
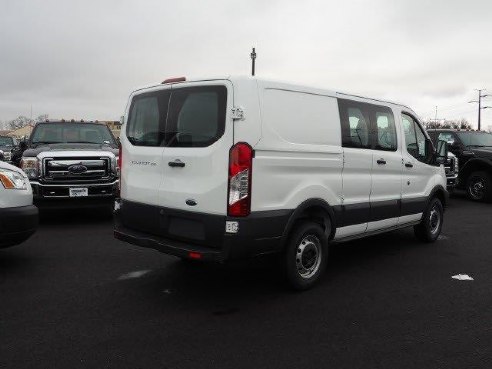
column 237, row 113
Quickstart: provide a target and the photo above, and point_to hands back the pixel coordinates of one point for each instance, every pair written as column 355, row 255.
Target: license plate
column 78, row 192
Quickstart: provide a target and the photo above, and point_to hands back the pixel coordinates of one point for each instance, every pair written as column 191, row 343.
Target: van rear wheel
column 306, row 255
column 430, row 227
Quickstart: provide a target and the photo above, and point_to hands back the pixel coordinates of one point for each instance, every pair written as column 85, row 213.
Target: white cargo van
column 219, row 169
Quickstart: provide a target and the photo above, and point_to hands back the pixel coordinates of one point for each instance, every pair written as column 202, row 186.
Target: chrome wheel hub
column 434, row 219
column 308, row 256
column 477, row 188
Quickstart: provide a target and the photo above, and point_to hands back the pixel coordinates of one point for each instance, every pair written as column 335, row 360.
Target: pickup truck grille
column 76, row 169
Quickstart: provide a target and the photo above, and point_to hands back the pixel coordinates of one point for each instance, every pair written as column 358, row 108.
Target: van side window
column 367, row 126
column 385, row 130
column 415, row 139
column 355, row 125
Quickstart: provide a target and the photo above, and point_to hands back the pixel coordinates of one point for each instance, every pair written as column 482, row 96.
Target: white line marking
column 442, row 237
column 462, row 277
column 132, row 275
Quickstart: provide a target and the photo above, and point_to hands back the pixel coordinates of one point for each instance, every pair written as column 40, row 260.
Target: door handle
column 409, row 165
column 176, row 164
column 381, row 161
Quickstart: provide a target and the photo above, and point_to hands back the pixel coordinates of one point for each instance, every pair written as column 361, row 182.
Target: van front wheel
column 306, row 255
column 430, row 227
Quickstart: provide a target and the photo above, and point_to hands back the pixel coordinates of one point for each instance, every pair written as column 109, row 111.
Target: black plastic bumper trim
column 17, row 224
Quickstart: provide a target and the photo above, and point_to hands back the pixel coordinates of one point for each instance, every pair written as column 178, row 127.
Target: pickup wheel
column 431, row 224
column 306, row 255
column 479, row 186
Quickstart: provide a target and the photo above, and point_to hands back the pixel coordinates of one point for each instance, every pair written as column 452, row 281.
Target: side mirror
column 441, row 152
column 22, row 145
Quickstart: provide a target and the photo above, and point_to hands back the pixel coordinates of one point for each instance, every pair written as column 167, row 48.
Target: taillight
column 240, row 170
column 119, row 165
column 120, row 157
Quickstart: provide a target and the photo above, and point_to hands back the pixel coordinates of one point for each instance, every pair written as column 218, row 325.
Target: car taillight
column 119, row 164
column 240, row 170
column 120, row 157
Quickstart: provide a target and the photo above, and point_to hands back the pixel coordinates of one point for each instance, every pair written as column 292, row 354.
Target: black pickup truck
column 7, row 144
column 70, row 164
column 474, row 152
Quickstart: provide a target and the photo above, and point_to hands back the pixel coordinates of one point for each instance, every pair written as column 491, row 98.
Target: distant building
column 5, row 133
column 21, row 132
column 114, row 126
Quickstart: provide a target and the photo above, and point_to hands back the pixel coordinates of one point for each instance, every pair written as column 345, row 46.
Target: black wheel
column 430, row 227
column 306, row 255
column 479, row 186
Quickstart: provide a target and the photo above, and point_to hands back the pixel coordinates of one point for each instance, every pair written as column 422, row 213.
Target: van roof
column 238, row 79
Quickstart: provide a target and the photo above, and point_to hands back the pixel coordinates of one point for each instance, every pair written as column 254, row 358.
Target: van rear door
column 176, row 147
column 142, row 145
column 198, row 137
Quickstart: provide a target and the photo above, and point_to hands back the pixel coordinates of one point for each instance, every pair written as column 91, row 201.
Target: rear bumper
column 17, row 224
column 198, row 235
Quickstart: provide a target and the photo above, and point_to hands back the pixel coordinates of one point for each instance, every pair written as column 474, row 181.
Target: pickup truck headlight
column 30, row 167
column 12, row 180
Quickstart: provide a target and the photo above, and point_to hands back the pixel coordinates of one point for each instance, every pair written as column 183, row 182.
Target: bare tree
column 19, row 122
column 448, row 124
column 41, row 118
column 22, row 121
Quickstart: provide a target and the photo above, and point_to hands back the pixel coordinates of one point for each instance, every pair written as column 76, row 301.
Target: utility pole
column 480, row 108
column 253, row 59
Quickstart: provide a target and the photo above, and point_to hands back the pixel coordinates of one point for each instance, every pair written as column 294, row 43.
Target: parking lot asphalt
column 74, row 297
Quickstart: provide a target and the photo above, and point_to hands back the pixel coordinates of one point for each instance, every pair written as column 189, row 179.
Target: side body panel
column 299, row 156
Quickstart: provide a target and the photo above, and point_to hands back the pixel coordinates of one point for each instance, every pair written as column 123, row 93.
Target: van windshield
column 185, row 117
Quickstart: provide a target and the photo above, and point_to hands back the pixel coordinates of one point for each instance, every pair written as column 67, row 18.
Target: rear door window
column 147, row 118
column 196, row 116
column 182, row 117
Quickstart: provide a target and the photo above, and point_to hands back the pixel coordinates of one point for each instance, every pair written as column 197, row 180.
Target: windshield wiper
column 84, row 142
column 38, row 143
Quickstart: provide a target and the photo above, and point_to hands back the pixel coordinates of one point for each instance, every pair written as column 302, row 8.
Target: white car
column 219, row 169
column 18, row 216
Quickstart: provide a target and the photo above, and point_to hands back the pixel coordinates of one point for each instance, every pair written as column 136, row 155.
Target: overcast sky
column 81, row 59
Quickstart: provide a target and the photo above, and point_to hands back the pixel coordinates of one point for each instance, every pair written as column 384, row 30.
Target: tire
column 479, row 186
column 430, row 227
column 306, row 255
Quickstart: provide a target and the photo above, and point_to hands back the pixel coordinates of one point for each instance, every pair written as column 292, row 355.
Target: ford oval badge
column 77, row 169
column 191, row 202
